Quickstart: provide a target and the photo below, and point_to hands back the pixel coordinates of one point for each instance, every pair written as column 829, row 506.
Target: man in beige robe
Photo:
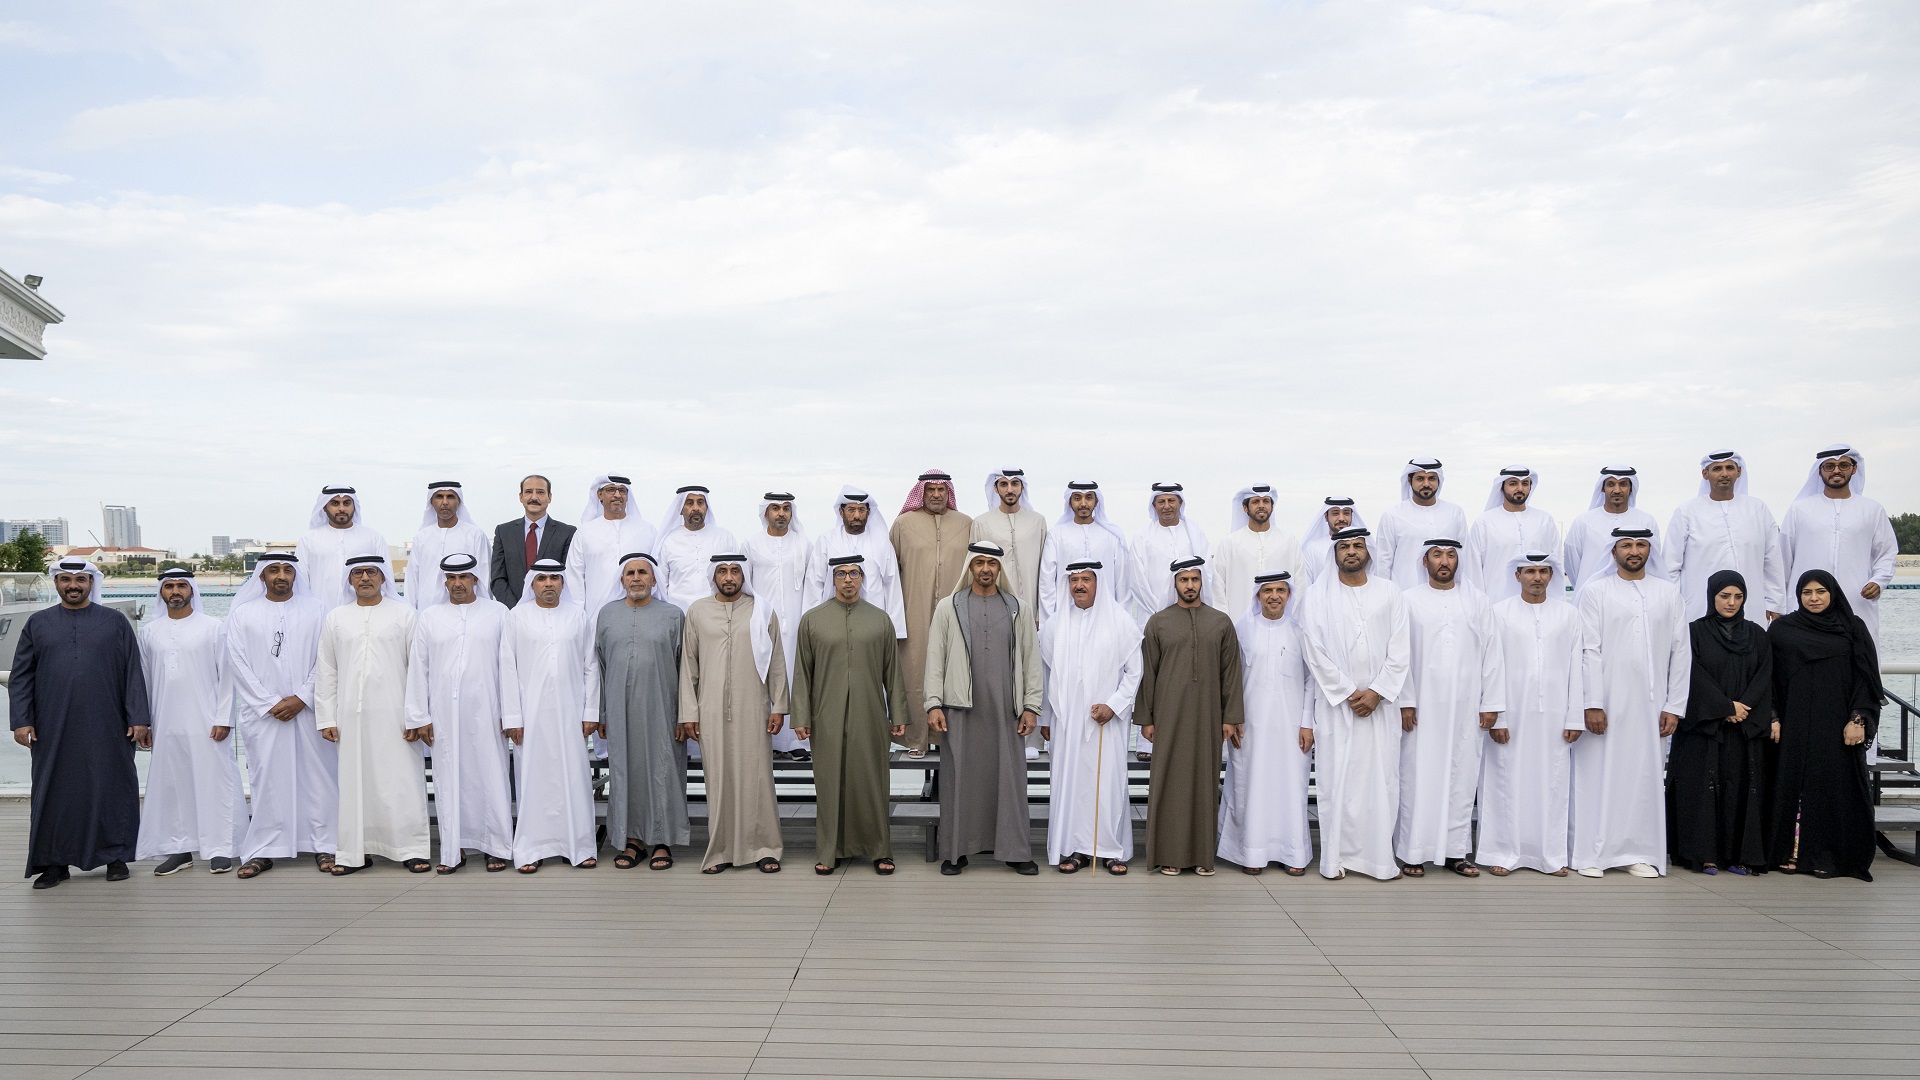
column 733, row 691
column 930, row 543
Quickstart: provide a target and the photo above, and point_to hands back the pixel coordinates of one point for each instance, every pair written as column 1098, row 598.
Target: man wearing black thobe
column 78, row 700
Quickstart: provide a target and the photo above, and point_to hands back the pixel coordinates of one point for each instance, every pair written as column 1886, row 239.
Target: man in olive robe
column 733, row 692
column 930, row 541
column 849, row 698
column 983, row 699
column 1189, row 706
column 636, row 641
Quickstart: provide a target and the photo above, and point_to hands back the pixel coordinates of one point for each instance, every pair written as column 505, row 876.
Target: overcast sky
column 799, row 244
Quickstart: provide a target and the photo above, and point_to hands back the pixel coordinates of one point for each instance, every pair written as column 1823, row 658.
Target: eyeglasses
column 278, row 637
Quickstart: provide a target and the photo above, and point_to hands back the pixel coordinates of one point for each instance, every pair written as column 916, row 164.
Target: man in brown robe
column 930, row 542
column 1189, row 705
column 848, row 698
column 733, row 690
column 983, row 699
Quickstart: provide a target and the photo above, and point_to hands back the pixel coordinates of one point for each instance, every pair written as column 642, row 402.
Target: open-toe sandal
column 1499, row 871
column 662, row 858
column 1414, row 869
column 628, row 858
column 443, row 868
column 883, row 867
column 717, row 868
column 1116, row 868
column 417, row 866
column 341, row 869
column 1295, row 871
column 769, row 865
column 323, row 862
column 254, row 868
column 587, row 863
column 530, row 868
column 495, row 864
column 1463, row 867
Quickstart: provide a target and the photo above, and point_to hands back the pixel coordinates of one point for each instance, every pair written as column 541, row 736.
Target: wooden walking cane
column 1100, row 758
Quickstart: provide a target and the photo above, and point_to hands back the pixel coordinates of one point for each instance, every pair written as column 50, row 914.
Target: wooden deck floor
column 608, row 972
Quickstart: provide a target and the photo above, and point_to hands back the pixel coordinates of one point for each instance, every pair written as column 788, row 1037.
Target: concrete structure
column 24, row 318
column 52, row 530
column 122, row 526
column 111, row 555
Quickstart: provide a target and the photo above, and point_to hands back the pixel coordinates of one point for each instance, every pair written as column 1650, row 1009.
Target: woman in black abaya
column 1826, row 699
column 1716, row 772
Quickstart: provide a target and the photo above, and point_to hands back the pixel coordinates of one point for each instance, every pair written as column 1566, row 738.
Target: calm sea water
column 1899, row 641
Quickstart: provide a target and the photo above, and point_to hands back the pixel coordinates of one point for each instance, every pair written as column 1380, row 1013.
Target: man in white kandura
column 1637, row 664
column 1336, row 514
column 1615, row 505
column 1833, row 526
column 1090, row 651
column 1525, row 778
column 1020, row 530
column 273, row 641
column 1406, row 526
column 194, row 802
column 1356, row 634
column 446, row 529
column 1169, row 536
column 334, row 534
column 1253, row 548
column 777, row 573
column 1263, row 803
column 1510, row 525
column 1083, row 534
column 1455, row 690
column 690, row 536
column 453, row 688
column 1724, row 528
column 860, row 529
column 549, row 704
column 608, row 529
column 360, row 704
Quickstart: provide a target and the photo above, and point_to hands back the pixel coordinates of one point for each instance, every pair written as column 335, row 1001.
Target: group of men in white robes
column 1431, row 679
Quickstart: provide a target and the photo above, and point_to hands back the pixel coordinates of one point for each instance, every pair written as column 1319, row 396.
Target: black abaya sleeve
column 20, row 681
column 1707, row 704
column 1758, row 696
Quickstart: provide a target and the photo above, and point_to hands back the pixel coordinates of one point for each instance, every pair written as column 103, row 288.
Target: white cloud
column 115, row 126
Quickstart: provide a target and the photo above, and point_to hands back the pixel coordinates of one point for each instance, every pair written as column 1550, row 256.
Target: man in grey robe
column 982, row 695
column 636, row 640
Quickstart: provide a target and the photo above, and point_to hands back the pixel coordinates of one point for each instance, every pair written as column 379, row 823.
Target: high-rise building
column 123, row 526
column 52, row 530
column 222, row 546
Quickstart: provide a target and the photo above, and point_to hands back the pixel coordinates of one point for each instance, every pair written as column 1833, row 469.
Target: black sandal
column 587, row 863
column 883, row 867
column 1116, row 868
column 417, row 866
column 628, row 858
column 323, row 862
column 445, row 869
column 822, row 869
column 254, row 868
column 1414, row 869
column 769, row 865
column 530, row 868
column 1294, row 871
column 717, row 868
column 495, row 864
column 341, row 869
column 1463, row 867
column 662, row 858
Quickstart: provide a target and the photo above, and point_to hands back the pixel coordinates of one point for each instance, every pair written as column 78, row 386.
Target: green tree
column 1907, row 528
column 28, row 552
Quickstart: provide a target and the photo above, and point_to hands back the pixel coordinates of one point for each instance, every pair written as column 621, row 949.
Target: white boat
column 23, row 593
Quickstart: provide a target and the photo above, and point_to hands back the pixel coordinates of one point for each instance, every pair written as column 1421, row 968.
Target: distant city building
column 222, row 546
column 122, row 526
column 52, row 530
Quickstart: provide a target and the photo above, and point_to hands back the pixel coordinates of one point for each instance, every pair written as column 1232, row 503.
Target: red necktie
column 533, row 543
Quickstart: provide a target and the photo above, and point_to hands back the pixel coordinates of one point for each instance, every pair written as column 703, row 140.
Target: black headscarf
column 1735, row 631
column 1831, row 632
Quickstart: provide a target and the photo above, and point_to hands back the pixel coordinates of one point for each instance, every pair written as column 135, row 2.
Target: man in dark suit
column 520, row 542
